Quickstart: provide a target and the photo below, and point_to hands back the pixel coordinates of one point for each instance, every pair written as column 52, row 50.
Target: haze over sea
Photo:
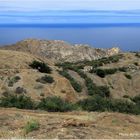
column 100, row 23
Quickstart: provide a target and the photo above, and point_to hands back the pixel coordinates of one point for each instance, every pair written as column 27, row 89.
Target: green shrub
column 111, row 71
column 136, row 99
column 94, row 63
column 123, row 107
column 73, row 82
column 31, row 125
column 90, row 86
column 81, row 73
column 93, row 89
column 103, row 72
column 40, row 66
column 123, row 69
column 13, row 80
column 55, row 104
column 97, row 103
column 16, row 78
column 21, row 102
column 100, row 72
column 45, row 79
column 102, row 91
column 128, row 76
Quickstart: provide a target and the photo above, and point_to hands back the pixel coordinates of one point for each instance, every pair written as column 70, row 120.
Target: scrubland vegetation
column 40, row 66
column 56, row 104
column 73, row 82
column 98, row 98
column 45, row 79
column 104, row 72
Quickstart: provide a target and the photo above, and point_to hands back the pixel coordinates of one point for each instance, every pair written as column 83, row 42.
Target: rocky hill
column 61, row 51
column 15, row 60
column 30, row 80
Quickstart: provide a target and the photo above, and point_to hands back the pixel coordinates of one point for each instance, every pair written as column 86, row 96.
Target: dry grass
column 68, row 125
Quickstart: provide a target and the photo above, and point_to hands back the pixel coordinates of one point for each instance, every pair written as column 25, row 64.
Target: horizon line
column 70, row 25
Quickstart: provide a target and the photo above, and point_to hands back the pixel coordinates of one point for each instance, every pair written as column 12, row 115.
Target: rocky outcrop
column 58, row 50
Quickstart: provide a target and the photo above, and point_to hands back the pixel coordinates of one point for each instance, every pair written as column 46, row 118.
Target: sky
column 33, row 5
column 69, row 11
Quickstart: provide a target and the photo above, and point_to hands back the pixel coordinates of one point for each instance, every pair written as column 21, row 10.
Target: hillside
column 30, row 80
column 119, row 85
column 15, row 64
column 58, row 50
column 72, row 125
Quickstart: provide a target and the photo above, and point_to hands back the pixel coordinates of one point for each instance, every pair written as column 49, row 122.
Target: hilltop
column 58, row 50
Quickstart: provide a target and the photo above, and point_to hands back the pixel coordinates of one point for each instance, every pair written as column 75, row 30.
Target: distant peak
column 60, row 50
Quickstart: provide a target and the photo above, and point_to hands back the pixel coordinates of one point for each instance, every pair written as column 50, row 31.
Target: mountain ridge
column 58, row 50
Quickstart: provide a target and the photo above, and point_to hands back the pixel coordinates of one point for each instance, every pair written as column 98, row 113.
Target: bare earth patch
column 71, row 125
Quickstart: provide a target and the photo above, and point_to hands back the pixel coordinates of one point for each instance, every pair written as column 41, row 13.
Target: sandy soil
column 71, row 125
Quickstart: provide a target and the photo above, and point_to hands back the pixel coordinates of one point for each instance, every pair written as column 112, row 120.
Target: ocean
column 127, row 37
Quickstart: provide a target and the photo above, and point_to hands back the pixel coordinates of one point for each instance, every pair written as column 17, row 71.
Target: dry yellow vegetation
column 70, row 125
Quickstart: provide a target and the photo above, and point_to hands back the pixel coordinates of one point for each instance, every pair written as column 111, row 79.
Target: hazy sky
column 35, row 11
column 34, row 5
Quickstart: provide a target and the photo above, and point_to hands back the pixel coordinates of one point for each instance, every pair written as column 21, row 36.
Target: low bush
column 104, row 60
column 123, row 69
column 31, row 125
column 97, row 103
column 81, row 73
column 20, row 90
column 136, row 99
column 100, row 72
column 45, row 79
column 103, row 72
column 90, row 86
column 102, row 91
column 128, row 76
column 21, row 102
column 123, row 107
column 111, row 71
column 73, row 82
column 55, row 104
column 93, row 89
column 137, row 54
column 13, row 80
column 40, row 66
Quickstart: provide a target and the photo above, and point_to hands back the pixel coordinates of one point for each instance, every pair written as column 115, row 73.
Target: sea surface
column 127, row 37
